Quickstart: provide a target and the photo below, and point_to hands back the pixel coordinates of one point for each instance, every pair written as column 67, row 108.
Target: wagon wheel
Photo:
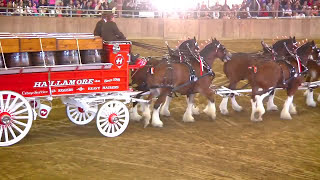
column 16, row 117
column 79, row 116
column 112, row 118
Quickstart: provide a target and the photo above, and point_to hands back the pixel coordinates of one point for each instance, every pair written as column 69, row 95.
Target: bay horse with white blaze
column 169, row 78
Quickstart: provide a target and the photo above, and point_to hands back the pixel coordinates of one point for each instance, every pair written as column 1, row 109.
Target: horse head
column 221, row 52
column 291, row 44
column 189, row 47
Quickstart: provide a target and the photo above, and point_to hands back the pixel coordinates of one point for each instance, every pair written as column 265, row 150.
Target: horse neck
column 208, row 56
column 304, row 51
column 279, row 44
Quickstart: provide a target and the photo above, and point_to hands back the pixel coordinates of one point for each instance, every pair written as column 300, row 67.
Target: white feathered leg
column 285, row 111
column 235, row 105
column 309, row 99
column 270, row 104
column 156, row 122
column 134, row 115
column 211, row 110
column 253, row 110
column 292, row 109
column 165, row 108
column 187, row 116
column 147, row 115
column 223, row 106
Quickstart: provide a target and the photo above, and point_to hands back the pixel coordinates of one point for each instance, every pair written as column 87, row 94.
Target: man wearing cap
column 110, row 30
column 97, row 29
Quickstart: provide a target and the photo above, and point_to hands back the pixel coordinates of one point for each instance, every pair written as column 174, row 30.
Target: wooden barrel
column 21, row 59
column 37, row 58
column 67, row 57
column 92, row 56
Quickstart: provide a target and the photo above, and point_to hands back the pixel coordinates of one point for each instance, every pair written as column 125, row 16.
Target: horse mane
column 207, row 49
column 303, row 47
column 280, row 42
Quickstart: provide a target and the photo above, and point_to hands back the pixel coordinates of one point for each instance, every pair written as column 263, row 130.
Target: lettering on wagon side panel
column 64, row 83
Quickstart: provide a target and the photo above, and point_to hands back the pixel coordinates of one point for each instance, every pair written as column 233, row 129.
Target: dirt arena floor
column 230, row 147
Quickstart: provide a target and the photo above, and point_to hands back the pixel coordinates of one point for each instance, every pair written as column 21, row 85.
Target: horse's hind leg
column 285, row 111
column 235, row 105
column 210, row 110
column 134, row 115
column 270, row 105
column 223, row 106
column 195, row 109
column 165, row 107
column 147, row 113
column 187, row 116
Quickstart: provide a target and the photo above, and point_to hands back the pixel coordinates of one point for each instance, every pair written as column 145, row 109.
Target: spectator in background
column 29, row 8
column 287, row 12
column 34, row 9
column 263, row 11
column 2, row 11
column 276, row 6
column 10, row 8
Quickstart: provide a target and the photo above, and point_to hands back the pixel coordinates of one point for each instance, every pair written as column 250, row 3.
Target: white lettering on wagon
column 25, row 93
column 70, row 82
column 110, row 87
column 65, row 90
column 93, row 88
column 112, row 80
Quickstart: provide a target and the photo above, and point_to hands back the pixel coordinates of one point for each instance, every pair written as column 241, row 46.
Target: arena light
column 171, row 5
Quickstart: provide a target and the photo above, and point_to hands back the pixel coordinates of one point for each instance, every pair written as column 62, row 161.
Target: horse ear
column 294, row 37
column 194, row 37
column 313, row 42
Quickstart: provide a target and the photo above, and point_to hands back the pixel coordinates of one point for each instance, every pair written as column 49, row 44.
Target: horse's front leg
column 147, row 113
column 309, row 99
column 165, row 107
column 187, row 116
column 270, row 105
column 156, row 122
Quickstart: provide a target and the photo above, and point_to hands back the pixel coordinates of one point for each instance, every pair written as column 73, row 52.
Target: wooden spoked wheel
column 16, row 117
column 112, row 118
column 79, row 116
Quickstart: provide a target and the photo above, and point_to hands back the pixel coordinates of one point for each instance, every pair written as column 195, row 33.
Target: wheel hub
column 80, row 110
column 5, row 118
column 113, row 118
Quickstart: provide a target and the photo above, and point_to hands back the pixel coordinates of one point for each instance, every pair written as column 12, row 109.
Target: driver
column 111, row 32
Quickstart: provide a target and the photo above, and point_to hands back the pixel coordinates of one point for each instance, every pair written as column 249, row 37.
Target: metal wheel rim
column 112, row 108
column 81, row 118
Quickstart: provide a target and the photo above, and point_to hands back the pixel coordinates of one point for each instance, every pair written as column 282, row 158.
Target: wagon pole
column 44, row 62
column 78, row 51
column 4, row 61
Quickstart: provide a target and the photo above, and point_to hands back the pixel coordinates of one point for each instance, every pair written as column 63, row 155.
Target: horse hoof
column 186, row 120
column 312, row 104
column 272, row 108
column 135, row 117
column 146, row 124
column 158, row 124
column 286, row 116
column 237, row 108
column 224, row 111
column 256, row 115
column 165, row 113
column 256, row 119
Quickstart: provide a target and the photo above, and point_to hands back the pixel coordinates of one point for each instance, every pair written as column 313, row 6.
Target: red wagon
column 26, row 92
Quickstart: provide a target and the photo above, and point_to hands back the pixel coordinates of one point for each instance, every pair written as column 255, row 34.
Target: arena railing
column 65, row 11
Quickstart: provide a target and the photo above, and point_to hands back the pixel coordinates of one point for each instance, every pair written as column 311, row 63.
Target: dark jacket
column 110, row 32
column 97, row 30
